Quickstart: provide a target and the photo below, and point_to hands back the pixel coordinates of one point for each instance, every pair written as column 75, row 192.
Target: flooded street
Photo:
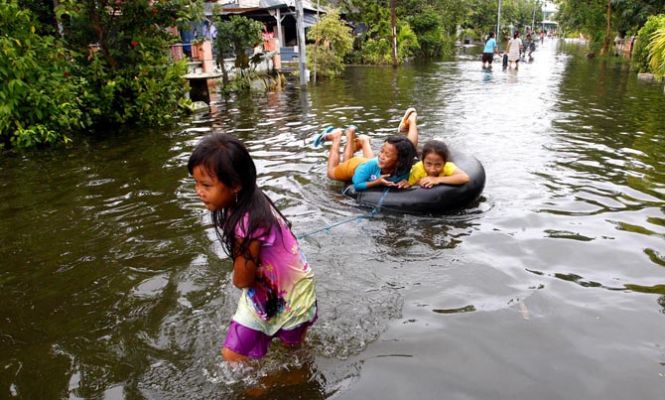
column 552, row 286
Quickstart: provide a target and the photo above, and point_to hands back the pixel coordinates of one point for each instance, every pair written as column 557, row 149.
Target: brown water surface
column 552, row 286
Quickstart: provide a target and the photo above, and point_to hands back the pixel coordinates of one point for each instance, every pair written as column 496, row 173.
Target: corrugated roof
column 260, row 4
column 240, row 6
column 272, row 3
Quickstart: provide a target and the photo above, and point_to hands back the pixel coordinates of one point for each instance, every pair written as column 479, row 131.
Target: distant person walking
column 490, row 49
column 529, row 47
column 515, row 47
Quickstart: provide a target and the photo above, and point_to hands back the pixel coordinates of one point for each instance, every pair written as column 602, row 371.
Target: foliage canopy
column 38, row 100
column 105, row 66
column 642, row 44
column 332, row 41
column 657, row 49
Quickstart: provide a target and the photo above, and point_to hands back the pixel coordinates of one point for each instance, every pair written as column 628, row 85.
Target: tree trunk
column 225, row 75
column 58, row 23
column 393, row 26
column 101, row 31
column 608, row 31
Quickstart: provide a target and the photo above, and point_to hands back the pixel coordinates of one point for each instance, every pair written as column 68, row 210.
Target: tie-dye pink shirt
column 283, row 295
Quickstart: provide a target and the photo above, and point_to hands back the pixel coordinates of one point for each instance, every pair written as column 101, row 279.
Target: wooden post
column 498, row 28
column 316, row 44
column 302, row 56
column 393, row 25
column 280, row 35
column 608, row 32
column 205, row 54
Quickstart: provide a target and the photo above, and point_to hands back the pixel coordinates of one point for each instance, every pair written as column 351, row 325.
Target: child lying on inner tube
column 435, row 169
column 390, row 168
column 393, row 165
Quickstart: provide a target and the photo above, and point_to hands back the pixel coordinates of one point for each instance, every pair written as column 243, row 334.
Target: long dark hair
column 436, row 147
column 227, row 158
column 491, row 35
column 406, row 152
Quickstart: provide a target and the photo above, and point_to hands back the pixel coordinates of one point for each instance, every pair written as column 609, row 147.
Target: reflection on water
column 114, row 286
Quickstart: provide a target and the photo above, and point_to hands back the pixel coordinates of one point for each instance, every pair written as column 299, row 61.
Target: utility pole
column 302, row 57
column 498, row 27
column 316, row 45
column 393, row 23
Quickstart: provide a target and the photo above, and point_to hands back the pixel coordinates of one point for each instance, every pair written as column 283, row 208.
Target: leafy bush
column 38, row 100
column 429, row 31
column 641, row 49
column 127, row 73
column 376, row 51
column 237, row 35
column 657, row 50
column 374, row 45
column 407, row 42
column 333, row 41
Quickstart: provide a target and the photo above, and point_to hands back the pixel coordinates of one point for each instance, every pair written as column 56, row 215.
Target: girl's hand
column 383, row 181
column 403, row 184
column 429, row 181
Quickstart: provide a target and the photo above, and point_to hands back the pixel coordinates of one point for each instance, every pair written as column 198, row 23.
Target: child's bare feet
column 351, row 130
column 333, row 135
column 322, row 136
column 360, row 141
column 406, row 119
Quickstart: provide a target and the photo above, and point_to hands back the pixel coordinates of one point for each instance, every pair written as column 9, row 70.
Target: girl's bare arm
column 459, row 177
column 244, row 269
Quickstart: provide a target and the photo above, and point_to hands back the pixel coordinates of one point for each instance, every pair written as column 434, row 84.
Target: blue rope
column 368, row 215
column 376, row 209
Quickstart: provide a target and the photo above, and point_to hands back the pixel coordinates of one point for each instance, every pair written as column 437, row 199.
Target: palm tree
column 657, row 52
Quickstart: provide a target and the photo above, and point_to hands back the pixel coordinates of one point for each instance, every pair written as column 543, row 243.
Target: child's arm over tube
column 459, row 177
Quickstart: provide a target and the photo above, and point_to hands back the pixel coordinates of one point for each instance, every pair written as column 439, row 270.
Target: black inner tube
column 436, row 200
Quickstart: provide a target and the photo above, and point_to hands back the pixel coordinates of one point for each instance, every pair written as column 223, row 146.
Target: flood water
column 552, row 286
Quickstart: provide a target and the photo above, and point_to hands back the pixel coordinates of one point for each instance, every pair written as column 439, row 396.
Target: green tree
column 657, row 49
column 374, row 45
column 224, row 45
column 588, row 17
column 44, row 12
column 631, row 15
column 519, row 13
column 332, row 42
column 123, row 57
column 434, row 22
column 39, row 96
column 601, row 20
column 642, row 44
column 429, row 32
column 238, row 35
column 407, row 41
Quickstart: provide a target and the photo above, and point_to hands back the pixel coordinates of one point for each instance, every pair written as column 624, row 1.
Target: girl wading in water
column 278, row 298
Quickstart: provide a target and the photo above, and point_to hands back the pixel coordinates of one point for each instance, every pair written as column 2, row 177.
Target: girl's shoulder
column 371, row 163
column 417, row 167
column 263, row 232
column 448, row 169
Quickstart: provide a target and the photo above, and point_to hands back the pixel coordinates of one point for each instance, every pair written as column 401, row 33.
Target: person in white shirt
column 515, row 47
